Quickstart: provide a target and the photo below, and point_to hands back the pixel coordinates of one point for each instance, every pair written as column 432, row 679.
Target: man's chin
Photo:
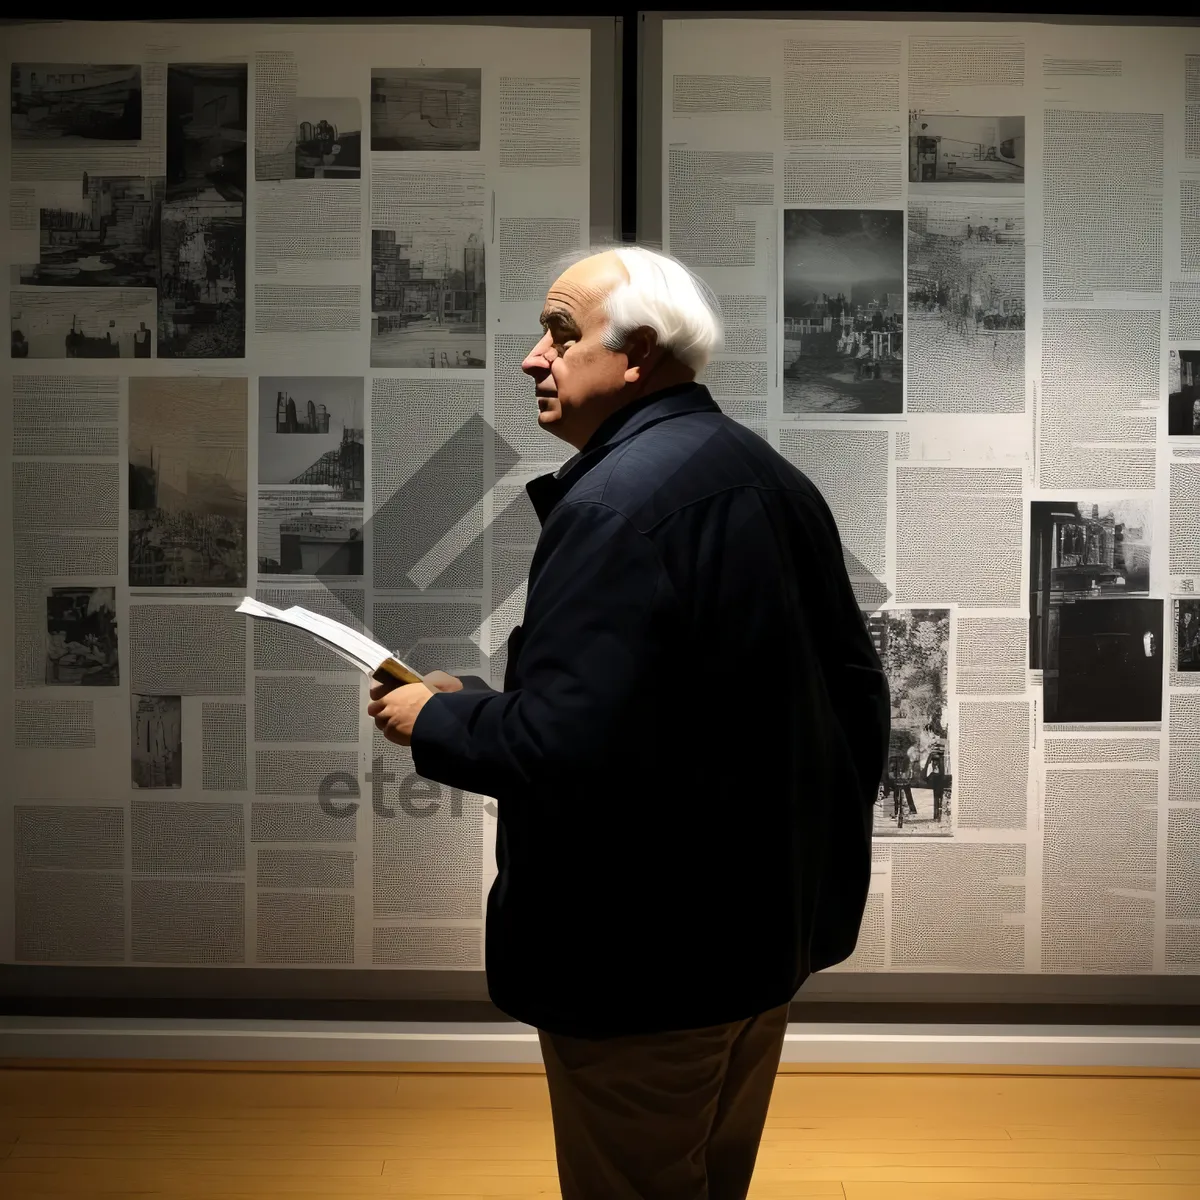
column 550, row 419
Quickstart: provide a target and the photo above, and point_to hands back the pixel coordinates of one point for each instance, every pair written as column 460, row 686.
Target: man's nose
column 537, row 361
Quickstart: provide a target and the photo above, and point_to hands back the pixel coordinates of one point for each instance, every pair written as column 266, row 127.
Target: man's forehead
column 579, row 288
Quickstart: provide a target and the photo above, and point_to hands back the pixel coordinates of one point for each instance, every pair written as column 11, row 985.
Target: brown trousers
column 668, row 1116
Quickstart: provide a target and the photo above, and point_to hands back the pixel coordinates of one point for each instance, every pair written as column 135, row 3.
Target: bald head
column 588, row 282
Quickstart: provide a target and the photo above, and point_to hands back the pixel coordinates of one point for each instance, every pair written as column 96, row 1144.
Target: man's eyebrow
column 561, row 315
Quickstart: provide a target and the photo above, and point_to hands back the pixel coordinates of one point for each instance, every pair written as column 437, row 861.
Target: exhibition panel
column 271, row 286
column 958, row 266
column 270, row 291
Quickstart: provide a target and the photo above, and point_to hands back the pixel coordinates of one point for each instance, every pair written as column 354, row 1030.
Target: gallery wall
column 958, row 269
column 270, row 291
column 958, row 263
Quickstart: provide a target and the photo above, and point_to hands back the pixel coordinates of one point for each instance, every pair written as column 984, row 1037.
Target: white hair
column 663, row 295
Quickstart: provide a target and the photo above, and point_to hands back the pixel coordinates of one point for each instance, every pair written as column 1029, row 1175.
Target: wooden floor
column 262, row 1134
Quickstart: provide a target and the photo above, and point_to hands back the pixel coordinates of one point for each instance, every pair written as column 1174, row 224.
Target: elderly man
column 691, row 735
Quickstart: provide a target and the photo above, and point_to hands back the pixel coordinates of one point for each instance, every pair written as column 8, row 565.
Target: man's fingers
column 440, row 681
column 385, row 727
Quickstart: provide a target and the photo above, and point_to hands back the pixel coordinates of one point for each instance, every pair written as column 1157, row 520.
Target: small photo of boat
column 74, row 104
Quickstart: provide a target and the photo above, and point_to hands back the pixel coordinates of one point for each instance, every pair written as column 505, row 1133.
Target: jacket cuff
column 440, row 741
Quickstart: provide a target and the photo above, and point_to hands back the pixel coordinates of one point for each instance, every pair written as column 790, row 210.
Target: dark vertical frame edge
column 627, row 124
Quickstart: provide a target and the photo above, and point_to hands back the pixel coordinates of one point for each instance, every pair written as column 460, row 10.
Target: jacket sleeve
column 588, row 650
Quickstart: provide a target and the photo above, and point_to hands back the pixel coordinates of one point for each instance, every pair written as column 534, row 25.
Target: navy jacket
column 692, row 731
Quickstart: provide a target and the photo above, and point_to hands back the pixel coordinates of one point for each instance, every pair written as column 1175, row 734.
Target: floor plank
column 1016, row 1191
column 357, row 1135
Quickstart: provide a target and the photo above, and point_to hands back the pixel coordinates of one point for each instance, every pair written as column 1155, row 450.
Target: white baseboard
column 382, row 1042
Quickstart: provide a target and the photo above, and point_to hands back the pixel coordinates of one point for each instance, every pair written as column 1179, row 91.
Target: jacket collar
column 546, row 490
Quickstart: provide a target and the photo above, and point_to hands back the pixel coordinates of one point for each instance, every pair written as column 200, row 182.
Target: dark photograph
column 92, row 323
column 68, row 104
column 1093, row 632
column 428, row 294
column 109, row 238
column 843, row 310
column 915, row 792
column 1109, row 662
column 966, row 307
column 1183, row 399
column 156, row 758
column 328, row 138
column 202, row 296
column 187, row 482
column 1187, row 635
column 962, row 149
column 425, row 108
column 81, row 636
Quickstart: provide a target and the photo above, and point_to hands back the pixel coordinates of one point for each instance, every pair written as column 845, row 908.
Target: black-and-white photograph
column 1093, row 634
column 81, row 636
column 428, row 296
column 425, row 108
column 156, row 757
column 303, row 532
column 76, row 104
column 311, row 466
column 328, row 138
column 202, row 296
column 1110, row 662
column 187, row 482
column 945, row 148
column 966, row 307
column 107, row 236
column 1183, row 388
column 916, row 790
column 310, row 434
column 78, row 323
column 843, row 310
column 1187, row 635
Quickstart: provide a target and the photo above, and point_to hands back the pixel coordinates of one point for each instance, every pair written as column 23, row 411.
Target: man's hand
column 395, row 709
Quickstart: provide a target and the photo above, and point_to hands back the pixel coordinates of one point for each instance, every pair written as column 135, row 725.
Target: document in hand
column 369, row 657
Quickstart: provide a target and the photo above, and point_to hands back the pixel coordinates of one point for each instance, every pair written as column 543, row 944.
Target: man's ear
column 641, row 353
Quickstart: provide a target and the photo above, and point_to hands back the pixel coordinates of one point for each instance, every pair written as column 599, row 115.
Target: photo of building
column 110, row 238
column 310, row 434
column 428, row 297
column 187, row 482
column 1093, row 632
